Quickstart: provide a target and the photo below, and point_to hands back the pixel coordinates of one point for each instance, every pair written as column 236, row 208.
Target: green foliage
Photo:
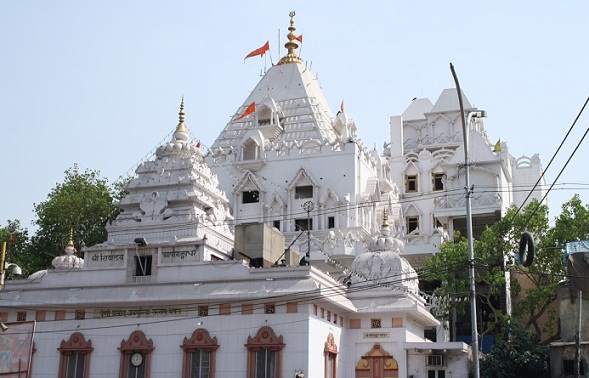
column 83, row 203
column 548, row 269
column 18, row 250
column 493, row 255
column 519, row 355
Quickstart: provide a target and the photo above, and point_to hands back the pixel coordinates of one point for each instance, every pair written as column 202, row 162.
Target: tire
column 527, row 249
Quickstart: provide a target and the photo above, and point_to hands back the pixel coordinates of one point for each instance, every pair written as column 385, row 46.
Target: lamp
column 141, row 242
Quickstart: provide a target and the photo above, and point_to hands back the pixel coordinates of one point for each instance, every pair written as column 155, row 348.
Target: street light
column 4, row 265
column 468, row 191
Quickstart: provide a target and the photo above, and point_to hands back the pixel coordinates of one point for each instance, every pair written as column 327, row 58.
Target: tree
column 83, row 203
column 17, row 247
column 535, row 308
column 493, row 255
column 520, row 354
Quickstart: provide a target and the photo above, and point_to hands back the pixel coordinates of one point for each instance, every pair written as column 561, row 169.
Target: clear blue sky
column 99, row 83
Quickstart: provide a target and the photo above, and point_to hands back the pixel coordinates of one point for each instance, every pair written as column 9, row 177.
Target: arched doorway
column 377, row 363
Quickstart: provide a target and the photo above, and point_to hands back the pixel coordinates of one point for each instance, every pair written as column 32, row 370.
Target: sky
column 99, row 84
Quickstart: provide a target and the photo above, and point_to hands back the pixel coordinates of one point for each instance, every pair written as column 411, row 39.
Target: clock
column 136, row 359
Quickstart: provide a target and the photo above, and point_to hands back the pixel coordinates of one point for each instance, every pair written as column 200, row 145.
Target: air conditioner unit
column 435, row 360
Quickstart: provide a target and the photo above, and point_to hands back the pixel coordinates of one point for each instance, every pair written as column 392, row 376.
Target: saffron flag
column 497, row 147
column 261, row 51
column 299, row 38
column 250, row 109
column 342, row 106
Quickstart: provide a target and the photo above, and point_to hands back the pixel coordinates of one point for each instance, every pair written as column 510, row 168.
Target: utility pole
column 578, row 337
column 308, row 207
column 468, row 193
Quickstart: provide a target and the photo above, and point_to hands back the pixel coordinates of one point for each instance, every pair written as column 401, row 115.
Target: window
column 330, row 352
column 199, row 355
column 269, row 308
column 264, row 354
column 21, row 316
column 411, row 183
column 142, row 266
column 80, row 314
column 435, row 360
column 375, row 323
column 302, row 192
column 436, row 374
column 265, row 363
column 135, row 356
column 330, row 222
column 412, row 224
column 250, row 150
column 203, row 310
column 276, row 224
column 301, row 224
column 437, row 183
column 250, row 196
column 568, row 367
column 74, row 357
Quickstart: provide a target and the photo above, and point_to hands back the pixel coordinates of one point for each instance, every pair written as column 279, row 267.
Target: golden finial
column 70, row 243
column 291, row 45
column 181, row 127
column 385, row 219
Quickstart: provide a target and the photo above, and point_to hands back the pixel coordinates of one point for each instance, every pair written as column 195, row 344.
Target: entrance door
column 377, row 363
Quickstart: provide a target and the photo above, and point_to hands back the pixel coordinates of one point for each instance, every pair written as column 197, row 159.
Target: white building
column 168, row 294
column 293, row 151
column 426, row 155
column 163, row 298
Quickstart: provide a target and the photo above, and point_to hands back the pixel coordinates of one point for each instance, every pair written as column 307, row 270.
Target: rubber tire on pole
column 527, row 249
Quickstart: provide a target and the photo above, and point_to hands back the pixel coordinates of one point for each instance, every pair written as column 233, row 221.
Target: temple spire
column 71, row 241
column 181, row 132
column 291, row 45
column 385, row 219
column 181, row 127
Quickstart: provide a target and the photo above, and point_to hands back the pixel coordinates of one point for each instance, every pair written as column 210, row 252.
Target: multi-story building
column 426, row 155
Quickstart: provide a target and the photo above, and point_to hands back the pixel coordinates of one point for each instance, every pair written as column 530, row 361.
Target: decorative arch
column 330, row 352
column 75, row 352
column 136, row 343
column 199, row 353
column 377, row 363
column 265, row 351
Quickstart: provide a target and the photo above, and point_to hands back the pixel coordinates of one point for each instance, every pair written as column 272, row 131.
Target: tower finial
column 181, row 127
column 70, row 243
column 291, row 45
column 385, row 219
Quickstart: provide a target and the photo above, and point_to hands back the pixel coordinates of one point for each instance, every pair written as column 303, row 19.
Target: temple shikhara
column 286, row 249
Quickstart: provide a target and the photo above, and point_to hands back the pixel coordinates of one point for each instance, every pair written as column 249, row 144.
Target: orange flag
column 261, row 51
column 250, row 109
column 342, row 106
column 299, row 38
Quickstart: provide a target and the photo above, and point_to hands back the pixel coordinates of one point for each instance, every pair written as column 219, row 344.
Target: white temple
column 167, row 295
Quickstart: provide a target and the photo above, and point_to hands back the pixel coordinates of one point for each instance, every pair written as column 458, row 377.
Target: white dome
column 383, row 264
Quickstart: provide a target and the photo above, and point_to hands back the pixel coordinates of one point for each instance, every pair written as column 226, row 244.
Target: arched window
column 264, row 354
column 250, row 150
column 135, row 356
column 75, row 357
column 199, row 355
column 330, row 352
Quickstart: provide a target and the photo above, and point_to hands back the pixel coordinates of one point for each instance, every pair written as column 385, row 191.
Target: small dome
column 383, row 264
column 179, row 145
column 68, row 260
